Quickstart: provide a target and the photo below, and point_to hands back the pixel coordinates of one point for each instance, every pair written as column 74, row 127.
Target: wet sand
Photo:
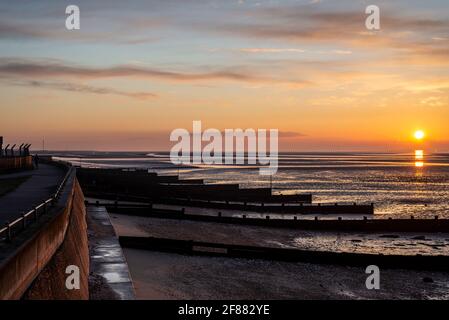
column 385, row 243
column 159, row 275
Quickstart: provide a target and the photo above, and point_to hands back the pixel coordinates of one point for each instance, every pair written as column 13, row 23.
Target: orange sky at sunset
column 133, row 74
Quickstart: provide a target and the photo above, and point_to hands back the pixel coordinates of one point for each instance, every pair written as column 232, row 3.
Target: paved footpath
column 39, row 187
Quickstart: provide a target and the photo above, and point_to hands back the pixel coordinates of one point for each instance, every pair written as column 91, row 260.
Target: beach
column 161, row 275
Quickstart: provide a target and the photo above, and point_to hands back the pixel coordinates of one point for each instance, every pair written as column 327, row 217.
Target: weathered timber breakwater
column 147, row 187
column 189, row 247
column 365, row 225
column 228, row 204
column 281, row 208
column 141, row 183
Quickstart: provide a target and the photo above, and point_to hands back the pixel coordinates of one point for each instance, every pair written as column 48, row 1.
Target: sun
column 419, row 134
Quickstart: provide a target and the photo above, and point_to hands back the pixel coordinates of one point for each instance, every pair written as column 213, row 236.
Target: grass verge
column 10, row 184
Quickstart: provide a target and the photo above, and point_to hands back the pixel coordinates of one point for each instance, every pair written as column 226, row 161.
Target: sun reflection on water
column 419, row 158
column 419, row 164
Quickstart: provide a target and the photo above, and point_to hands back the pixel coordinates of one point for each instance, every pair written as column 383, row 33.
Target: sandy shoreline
column 358, row 242
column 158, row 275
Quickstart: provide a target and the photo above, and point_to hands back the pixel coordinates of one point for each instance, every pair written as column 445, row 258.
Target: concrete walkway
column 109, row 277
column 39, row 187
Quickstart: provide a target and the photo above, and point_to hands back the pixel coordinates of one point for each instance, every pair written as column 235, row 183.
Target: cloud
column 306, row 23
column 272, row 50
column 53, row 68
column 124, row 34
column 294, row 50
column 290, row 134
column 74, row 87
column 433, row 101
column 12, row 31
column 310, row 25
column 56, row 69
column 342, row 51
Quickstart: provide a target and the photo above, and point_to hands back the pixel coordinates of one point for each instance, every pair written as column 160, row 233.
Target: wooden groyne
column 205, row 203
column 349, row 225
column 301, row 209
column 189, row 247
column 115, row 176
column 148, row 184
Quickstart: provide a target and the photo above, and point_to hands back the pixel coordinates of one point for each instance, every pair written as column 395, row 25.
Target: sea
column 400, row 185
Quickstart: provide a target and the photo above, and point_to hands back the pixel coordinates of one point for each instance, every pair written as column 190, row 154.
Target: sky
column 136, row 70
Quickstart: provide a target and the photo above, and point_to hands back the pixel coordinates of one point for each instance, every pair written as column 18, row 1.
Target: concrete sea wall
column 33, row 266
column 50, row 284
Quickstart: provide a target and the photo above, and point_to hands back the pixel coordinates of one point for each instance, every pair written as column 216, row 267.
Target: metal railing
column 10, row 229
